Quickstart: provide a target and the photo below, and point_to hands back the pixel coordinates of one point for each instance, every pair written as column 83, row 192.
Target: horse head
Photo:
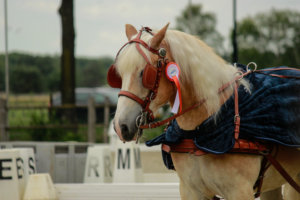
column 139, row 72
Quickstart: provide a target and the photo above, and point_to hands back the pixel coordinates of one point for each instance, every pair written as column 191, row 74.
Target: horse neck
column 202, row 74
column 193, row 118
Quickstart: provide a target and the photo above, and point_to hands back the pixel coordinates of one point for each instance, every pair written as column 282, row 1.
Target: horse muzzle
column 125, row 126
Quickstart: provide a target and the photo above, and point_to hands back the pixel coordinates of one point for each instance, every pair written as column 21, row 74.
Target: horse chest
column 212, row 174
column 194, row 173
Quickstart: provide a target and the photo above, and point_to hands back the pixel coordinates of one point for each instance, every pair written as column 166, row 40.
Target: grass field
column 23, row 117
column 40, row 116
column 29, row 100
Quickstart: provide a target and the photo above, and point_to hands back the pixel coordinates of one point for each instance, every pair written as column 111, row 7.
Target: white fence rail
column 120, row 191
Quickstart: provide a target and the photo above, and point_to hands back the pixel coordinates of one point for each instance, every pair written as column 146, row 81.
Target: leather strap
column 259, row 182
column 240, row 146
column 185, row 146
column 282, row 171
column 237, row 118
column 144, row 44
column 133, row 97
column 139, row 41
column 279, row 69
column 160, row 123
column 141, row 52
column 238, row 77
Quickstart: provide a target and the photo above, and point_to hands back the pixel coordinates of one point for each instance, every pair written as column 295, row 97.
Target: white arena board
column 118, row 191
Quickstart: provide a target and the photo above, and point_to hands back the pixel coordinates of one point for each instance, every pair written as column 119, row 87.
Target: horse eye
column 141, row 74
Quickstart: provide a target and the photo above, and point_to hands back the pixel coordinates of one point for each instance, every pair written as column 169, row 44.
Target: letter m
column 124, row 160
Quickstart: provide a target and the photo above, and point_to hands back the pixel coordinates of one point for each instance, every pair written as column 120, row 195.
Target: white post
column 40, row 187
column 113, row 137
column 91, row 120
column 6, row 52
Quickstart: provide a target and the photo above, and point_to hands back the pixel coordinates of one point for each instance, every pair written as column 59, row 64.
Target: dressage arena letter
column 98, row 165
column 123, row 160
column 93, row 165
column 20, row 167
column 11, row 175
column 5, row 167
column 137, row 158
column 31, row 165
column 25, row 166
column 107, row 166
column 128, row 165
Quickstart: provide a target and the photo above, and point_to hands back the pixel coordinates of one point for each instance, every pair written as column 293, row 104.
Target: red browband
column 139, row 41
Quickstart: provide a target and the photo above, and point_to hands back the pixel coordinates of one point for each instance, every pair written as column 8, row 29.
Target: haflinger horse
column 155, row 68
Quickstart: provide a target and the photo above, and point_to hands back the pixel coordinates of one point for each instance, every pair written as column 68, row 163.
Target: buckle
column 240, row 75
column 147, row 29
column 264, row 152
column 235, row 117
column 248, row 66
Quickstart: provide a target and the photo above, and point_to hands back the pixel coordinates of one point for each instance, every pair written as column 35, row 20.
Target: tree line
column 41, row 74
column 270, row 38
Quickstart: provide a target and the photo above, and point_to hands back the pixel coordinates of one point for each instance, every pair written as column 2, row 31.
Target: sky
column 34, row 25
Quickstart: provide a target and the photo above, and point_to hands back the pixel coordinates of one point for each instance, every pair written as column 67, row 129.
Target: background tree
column 195, row 21
column 26, row 79
column 270, row 39
column 92, row 73
column 67, row 57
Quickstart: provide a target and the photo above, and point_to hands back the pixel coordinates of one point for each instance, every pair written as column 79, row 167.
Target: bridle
column 150, row 80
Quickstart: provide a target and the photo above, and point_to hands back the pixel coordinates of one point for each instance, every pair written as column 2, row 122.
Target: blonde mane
column 201, row 68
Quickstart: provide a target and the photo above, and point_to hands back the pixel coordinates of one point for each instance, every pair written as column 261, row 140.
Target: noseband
column 150, row 80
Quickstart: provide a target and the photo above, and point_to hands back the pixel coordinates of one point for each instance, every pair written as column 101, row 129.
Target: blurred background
column 54, row 54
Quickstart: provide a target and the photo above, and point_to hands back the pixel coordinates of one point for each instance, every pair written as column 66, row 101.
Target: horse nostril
column 126, row 132
column 124, row 129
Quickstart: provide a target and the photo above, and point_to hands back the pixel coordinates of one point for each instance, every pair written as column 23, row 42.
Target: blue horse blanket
column 270, row 113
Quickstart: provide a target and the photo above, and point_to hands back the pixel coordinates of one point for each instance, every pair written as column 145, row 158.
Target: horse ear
column 158, row 37
column 130, row 31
